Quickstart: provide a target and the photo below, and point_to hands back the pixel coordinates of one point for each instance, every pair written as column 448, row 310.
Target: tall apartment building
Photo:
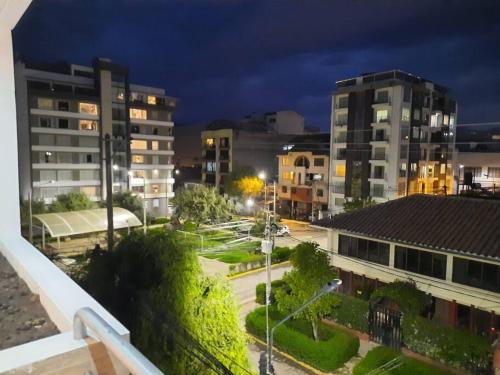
column 251, row 142
column 303, row 177
column 392, row 135
column 64, row 112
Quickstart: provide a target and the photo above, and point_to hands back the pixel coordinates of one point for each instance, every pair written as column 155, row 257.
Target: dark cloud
column 228, row 58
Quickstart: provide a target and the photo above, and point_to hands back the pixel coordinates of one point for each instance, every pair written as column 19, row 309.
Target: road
column 301, row 231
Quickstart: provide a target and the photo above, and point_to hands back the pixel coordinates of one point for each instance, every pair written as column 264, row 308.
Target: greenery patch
column 260, row 291
column 351, row 312
column 295, row 338
column 381, row 355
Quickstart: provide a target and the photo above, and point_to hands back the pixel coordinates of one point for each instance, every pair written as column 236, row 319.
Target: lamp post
column 317, row 178
column 30, row 204
column 460, row 167
column 329, row 287
column 144, row 203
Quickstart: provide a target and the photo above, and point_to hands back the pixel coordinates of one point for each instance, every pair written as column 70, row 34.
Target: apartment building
column 303, row 177
column 393, row 135
column 228, row 146
column 64, row 112
column 449, row 246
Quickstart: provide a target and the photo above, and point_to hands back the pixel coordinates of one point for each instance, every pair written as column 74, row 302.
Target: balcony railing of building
column 224, row 155
column 338, row 188
column 378, row 175
column 378, row 193
column 382, row 99
column 210, row 155
column 381, row 138
column 343, row 103
column 341, row 138
column 341, row 154
column 380, row 157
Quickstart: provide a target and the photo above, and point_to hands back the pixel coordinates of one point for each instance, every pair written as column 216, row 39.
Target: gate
column 384, row 326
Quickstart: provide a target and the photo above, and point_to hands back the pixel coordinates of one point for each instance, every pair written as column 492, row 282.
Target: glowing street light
column 262, row 175
column 250, row 202
column 115, row 167
column 177, row 171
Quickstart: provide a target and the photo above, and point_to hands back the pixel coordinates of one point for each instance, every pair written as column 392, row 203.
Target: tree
column 311, row 271
column 72, row 202
column 153, row 283
column 130, row 202
column 37, row 207
column 233, row 177
column 201, row 204
column 357, row 203
column 249, row 185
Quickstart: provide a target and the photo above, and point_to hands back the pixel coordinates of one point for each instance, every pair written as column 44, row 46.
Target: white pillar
column 10, row 222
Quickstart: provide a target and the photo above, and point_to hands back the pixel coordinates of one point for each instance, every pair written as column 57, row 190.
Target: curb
column 290, row 358
column 256, row 270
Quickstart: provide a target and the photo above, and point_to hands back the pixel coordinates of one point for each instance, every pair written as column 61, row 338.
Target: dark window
column 319, row 192
column 61, row 88
column 63, row 123
column 224, row 142
column 477, row 274
column 372, row 251
column 63, row 106
column 85, row 91
column 134, row 129
column 294, row 190
column 45, row 122
column 155, row 131
column 422, row 262
column 36, row 85
column 284, row 189
column 319, row 162
column 89, row 158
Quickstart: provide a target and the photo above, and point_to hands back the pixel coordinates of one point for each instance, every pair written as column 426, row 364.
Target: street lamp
column 329, row 287
column 316, row 178
column 30, row 199
column 460, row 167
column 177, row 171
column 249, row 202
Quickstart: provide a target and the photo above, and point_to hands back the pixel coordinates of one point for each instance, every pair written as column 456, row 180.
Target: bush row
column 260, row 291
column 325, row 355
column 455, row 347
column 351, row 312
column 382, row 354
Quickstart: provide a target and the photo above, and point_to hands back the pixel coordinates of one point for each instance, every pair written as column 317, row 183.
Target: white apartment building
column 64, row 113
column 392, row 134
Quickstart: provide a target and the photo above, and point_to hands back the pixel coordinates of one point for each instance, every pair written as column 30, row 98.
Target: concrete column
column 392, row 255
column 452, row 313
column 449, row 268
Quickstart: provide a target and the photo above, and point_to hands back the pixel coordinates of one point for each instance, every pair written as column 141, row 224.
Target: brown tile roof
column 453, row 224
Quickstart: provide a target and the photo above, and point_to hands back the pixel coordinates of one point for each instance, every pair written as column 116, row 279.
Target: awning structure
column 61, row 224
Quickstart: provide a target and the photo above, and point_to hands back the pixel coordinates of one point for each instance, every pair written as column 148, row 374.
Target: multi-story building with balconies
column 65, row 111
column 303, row 177
column 392, row 135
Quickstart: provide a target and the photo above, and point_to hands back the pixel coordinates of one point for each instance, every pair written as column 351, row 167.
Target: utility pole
column 109, row 189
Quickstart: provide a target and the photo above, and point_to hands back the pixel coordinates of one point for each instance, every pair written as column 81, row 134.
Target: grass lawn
column 382, row 354
column 334, row 348
column 240, row 253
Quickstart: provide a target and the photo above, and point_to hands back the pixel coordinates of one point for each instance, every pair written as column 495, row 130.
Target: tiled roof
column 453, row 224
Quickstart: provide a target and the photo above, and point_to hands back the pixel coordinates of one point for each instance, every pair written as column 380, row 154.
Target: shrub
column 409, row 299
column 382, row 354
column 456, row 347
column 160, row 220
column 258, row 229
column 325, row 355
column 189, row 226
column 281, row 254
column 260, row 291
column 351, row 312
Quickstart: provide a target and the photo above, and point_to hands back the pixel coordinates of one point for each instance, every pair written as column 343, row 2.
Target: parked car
column 282, row 230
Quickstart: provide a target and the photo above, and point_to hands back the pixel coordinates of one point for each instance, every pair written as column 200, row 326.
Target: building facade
column 393, row 135
column 448, row 246
column 65, row 111
column 229, row 146
column 303, row 177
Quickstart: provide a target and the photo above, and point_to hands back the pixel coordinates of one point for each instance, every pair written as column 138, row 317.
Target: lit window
column 443, row 169
column 288, row 176
column 88, row 125
column 452, row 121
column 210, row 142
column 45, row 103
column 340, row 170
column 154, row 145
column 151, row 99
column 436, row 120
column 138, row 113
column 89, row 108
column 382, row 115
column 405, row 114
column 138, row 145
column 285, row 160
column 446, row 119
column 138, row 159
column 155, row 188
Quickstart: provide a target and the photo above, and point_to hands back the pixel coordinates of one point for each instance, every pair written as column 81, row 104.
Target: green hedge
column 325, row 355
column 281, row 254
column 351, row 312
column 382, row 354
column 160, row 220
column 260, row 291
column 456, row 347
column 410, row 299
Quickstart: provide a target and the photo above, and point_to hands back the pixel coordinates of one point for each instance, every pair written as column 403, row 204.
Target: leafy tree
column 357, row 203
column 311, row 271
column 37, row 207
column 232, row 179
column 153, row 284
column 201, row 204
column 249, row 185
column 409, row 298
column 130, row 202
column 72, row 202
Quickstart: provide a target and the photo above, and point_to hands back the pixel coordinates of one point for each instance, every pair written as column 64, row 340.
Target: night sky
column 225, row 59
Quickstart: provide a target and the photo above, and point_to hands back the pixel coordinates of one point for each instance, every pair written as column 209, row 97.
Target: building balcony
column 380, row 158
column 381, row 125
column 378, row 176
column 64, row 114
column 139, row 121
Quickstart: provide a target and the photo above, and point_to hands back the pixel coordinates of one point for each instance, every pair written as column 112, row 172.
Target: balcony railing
column 381, row 138
column 380, row 176
column 340, row 139
column 378, row 193
column 382, row 100
column 380, row 157
column 338, row 189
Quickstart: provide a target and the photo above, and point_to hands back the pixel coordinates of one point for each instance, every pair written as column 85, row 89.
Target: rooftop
column 318, row 144
column 453, row 224
column 22, row 318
